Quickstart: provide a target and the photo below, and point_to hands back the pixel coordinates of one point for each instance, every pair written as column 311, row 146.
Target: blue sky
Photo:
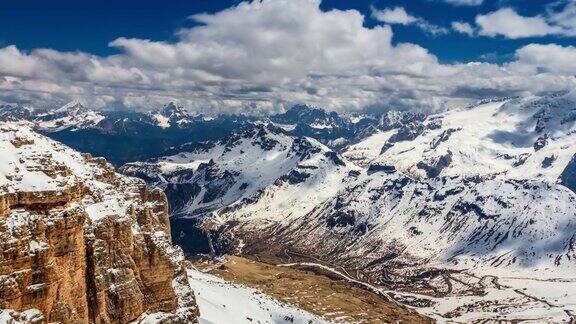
column 79, row 25
column 268, row 54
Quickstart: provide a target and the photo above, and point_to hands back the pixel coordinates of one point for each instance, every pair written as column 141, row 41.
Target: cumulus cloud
column 508, row 23
column 398, row 15
column 263, row 56
column 463, row 28
column 550, row 58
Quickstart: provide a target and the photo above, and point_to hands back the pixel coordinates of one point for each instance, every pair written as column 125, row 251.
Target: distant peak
column 74, row 107
column 171, row 114
column 172, row 108
column 71, row 105
column 303, row 108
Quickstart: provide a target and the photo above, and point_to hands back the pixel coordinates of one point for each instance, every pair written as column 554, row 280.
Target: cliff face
column 80, row 243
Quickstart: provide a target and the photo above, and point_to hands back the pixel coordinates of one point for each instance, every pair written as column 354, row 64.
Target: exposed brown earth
column 335, row 300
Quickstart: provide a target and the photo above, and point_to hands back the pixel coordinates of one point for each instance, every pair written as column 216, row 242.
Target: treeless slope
column 335, row 300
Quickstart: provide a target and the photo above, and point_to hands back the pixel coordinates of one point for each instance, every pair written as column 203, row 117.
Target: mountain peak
column 171, row 114
column 73, row 106
column 306, row 114
column 172, row 109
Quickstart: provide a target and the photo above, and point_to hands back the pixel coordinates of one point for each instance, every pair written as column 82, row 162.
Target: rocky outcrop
column 41, row 200
column 568, row 176
column 85, row 245
column 131, row 274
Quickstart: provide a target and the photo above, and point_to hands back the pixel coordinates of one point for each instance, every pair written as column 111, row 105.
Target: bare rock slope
column 80, row 243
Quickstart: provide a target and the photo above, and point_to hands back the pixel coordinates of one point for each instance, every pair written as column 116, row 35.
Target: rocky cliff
column 80, row 243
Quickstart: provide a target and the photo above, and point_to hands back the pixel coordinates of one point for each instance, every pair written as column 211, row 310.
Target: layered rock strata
column 80, row 243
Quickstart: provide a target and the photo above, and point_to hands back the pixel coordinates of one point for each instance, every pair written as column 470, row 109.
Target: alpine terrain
column 84, row 244
column 288, row 162
column 457, row 214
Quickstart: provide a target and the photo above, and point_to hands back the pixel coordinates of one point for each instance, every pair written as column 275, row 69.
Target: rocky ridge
column 436, row 205
column 81, row 243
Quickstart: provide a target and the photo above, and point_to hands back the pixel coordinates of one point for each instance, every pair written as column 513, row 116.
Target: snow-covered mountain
column 81, row 243
column 126, row 136
column 74, row 116
column 71, row 116
column 12, row 113
column 528, row 138
column 123, row 136
column 421, row 204
column 428, row 205
column 263, row 163
column 171, row 115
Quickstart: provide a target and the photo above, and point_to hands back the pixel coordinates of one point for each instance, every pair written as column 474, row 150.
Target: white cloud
column 508, row 23
column 463, row 28
column 465, row 2
column 13, row 62
column 564, row 17
column 266, row 55
column 550, row 58
column 398, row 15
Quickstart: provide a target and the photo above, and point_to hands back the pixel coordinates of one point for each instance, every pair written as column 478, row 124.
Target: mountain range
column 428, row 205
column 455, row 213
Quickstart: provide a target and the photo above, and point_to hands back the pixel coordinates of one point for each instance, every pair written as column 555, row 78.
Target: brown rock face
column 93, row 249
column 132, row 273
column 44, row 267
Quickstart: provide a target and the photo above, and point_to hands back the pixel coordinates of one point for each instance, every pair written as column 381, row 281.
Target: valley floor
column 221, row 301
column 331, row 298
column 339, row 298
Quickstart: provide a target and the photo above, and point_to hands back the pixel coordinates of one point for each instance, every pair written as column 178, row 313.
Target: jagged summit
column 71, row 116
column 171, row 115
column 425, row 203
column 241, row 167
column 73, row 107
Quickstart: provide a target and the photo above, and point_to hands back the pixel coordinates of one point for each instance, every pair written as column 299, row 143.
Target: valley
column 288, row 162
column 340, row 297
column 429, row 217
column 328, row 296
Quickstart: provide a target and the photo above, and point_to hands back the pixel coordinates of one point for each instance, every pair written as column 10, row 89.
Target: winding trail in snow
column 381, row 292
column 370, row 287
